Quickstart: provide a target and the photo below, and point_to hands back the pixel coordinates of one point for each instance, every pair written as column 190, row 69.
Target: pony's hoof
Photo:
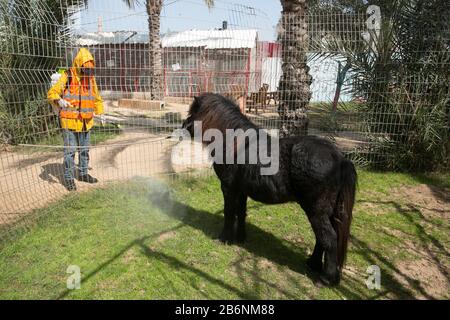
column 314, row 264
column 225, row 239
column 330, row 281
column 318, row 283
column 225, row 242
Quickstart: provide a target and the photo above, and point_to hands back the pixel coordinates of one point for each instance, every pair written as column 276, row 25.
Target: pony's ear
column 195, row 105
column 195, row 102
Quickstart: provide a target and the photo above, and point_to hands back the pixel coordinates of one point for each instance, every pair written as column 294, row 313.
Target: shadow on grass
column 424, row 240
column 174, row 262
column 260, row 243
column 263, row 244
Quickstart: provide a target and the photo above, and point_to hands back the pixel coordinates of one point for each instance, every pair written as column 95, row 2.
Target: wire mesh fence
column 347, row 75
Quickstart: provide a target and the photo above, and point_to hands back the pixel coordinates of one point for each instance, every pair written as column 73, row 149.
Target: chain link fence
column 375, row 82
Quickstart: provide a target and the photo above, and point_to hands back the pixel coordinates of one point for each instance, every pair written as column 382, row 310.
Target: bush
column 402, row 74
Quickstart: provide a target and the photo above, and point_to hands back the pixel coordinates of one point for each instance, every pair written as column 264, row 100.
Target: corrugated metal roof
column 96, row 38
column 211, row 39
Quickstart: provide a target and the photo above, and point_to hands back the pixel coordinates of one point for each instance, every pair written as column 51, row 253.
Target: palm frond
column 401, row 75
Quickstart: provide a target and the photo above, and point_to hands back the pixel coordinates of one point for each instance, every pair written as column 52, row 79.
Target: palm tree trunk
column 294, row 87
column 155, row 62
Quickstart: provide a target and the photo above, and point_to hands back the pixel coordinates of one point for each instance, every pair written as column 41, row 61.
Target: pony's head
column 215, row 112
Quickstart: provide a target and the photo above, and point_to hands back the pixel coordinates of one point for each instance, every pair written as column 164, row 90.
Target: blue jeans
column 74, row 141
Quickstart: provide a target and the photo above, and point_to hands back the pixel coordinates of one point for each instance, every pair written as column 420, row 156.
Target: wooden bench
column 258, row 99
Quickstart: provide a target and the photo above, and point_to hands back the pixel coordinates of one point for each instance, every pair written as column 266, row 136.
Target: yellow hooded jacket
column 56, row 93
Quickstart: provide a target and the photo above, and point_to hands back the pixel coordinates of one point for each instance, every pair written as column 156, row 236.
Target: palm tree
column 398, row 71
column 155, row 64
column 294, row 86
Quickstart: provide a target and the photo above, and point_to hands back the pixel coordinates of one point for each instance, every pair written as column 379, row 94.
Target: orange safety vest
column 82, row 101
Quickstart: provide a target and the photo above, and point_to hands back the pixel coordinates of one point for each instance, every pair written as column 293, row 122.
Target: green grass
column 347, row 106
column 346, row 118
column 144, row 239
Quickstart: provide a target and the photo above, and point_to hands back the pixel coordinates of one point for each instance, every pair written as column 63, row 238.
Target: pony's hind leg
column 315, row 260
column 326, row 242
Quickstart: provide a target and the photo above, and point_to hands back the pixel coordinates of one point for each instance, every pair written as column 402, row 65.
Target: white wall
column 324, row 73
column 271, row 72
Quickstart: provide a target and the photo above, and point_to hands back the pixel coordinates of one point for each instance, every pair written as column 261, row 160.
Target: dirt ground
column 430, row 270
column 32, row 180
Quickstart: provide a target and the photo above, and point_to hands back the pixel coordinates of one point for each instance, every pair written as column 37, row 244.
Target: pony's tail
column 344, row 208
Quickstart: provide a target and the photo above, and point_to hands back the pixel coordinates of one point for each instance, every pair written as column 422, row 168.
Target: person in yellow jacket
column 75, row 96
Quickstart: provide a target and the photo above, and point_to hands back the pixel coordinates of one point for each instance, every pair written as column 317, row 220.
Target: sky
column 179, row 15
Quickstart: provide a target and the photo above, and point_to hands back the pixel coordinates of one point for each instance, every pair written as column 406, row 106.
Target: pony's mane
column 216, row 111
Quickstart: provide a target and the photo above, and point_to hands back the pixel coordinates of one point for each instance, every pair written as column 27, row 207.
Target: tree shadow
column 388, row 269
column 172, row 261
column 261, row 244
column 248, row 270
column 423, row 237
column 108, row 159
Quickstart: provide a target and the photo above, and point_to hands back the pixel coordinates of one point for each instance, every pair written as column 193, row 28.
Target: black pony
column 312, row 172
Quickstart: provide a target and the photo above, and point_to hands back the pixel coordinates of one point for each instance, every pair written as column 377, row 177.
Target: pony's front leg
column 227, row 234
column 235, row 205
column 241, row 214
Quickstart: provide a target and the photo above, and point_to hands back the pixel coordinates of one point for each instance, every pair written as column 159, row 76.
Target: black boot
column 88, row 178
column 70, row 185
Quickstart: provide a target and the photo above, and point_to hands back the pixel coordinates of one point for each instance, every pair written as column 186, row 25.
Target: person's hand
column 63, row 103
column 102, row 120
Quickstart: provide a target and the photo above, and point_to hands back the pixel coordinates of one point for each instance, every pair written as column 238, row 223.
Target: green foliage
column 403, row 76
column 31, row 41
column 27, row 123
column 406, row 84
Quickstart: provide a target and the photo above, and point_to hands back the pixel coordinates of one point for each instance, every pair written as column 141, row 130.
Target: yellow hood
column 82, row 57
column 56, row 92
